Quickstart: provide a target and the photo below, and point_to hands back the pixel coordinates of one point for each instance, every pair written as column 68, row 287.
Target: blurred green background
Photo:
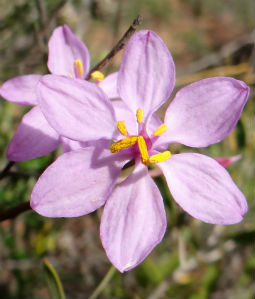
column 195, row 260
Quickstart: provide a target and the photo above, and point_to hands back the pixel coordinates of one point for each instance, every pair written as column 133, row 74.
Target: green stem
column 57, row 281
column 103, row 283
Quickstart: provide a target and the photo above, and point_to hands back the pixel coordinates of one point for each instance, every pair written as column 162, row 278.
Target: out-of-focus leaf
column 36, row 164
column 148, row 273
column 210, row 277
column 250, row 265
column 168, row 266
column 53, row 282
column 240, row 135
column 243, row 238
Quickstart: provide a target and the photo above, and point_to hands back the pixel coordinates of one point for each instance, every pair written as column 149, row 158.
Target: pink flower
column 226, row 162
column 68, row 56
column 79, row 182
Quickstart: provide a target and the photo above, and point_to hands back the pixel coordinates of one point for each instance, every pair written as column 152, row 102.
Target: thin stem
column 55, row 276
column 5, row 171
column 13, row 212
column 103, row 283
column 119, row 46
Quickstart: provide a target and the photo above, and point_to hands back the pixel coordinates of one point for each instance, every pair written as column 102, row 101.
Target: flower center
column 140, row 140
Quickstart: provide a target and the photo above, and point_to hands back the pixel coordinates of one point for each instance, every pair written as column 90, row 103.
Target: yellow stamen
column 123, row 144
column 143, row 150
column 139, row 115
column 78, row 66
column 122, row 128
column 160, row 157
column 160, row 130
column 96, row 75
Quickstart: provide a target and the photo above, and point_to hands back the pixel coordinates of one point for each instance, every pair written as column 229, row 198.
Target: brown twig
column 41, row 35
column 119, row 46
column 13, row 212
column 5, row 171
column 42, row 11
column 56, row 10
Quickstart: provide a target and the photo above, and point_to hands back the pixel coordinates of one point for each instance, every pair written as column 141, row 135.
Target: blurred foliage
column 195, row 260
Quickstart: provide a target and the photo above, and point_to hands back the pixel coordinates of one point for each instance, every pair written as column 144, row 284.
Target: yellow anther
column 96, row 75
column 160, row 130
column 78, row 67
column 143, row 150
column 123, row 144
column 139, row 115
column 122, row 128
column 160, row 157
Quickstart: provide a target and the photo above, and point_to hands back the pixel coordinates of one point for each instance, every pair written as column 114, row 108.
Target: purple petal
column 147, row 73
column 133, row 221
column 34, row 138
column 123, row 113
column 21, row 90
column 109, row 85
column 75, row 108
column 153, row 124
column 64, row 49
column 204, row 189
column 77, row 183
column 205, row 112
column 72, row 145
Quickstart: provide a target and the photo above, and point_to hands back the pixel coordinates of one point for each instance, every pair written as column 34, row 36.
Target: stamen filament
column 143, row 150
column 139, row 115
column 96, row 75
column 123, row 144
column 78, row 68
column 160, row 130
column 160, row 157
column 122, row 128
